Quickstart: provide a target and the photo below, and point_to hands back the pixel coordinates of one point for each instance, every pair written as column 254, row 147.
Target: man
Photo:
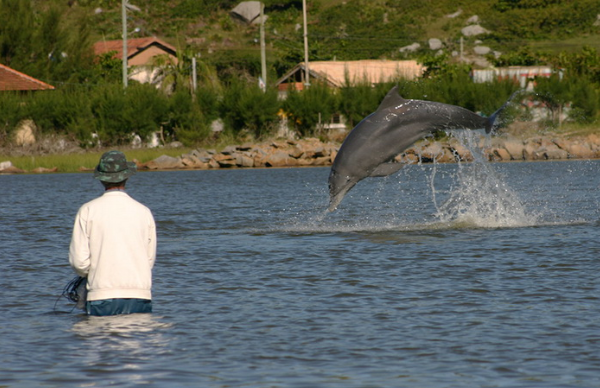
column 114, row 244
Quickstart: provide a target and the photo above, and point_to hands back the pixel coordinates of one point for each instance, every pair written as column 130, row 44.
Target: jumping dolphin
column 370, row 148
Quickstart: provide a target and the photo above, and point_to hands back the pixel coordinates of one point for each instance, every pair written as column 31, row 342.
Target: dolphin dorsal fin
column 392, row 98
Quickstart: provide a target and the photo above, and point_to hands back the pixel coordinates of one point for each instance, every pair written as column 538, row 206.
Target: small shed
column 336, row 73
column 11, row 79
column 248, row 12
column 140, row 51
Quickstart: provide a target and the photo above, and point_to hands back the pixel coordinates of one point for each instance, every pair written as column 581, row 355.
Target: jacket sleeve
column 79, row 250
column 151, row 241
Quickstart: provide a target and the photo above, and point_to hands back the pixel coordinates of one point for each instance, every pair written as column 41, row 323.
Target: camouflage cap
column 114, row 167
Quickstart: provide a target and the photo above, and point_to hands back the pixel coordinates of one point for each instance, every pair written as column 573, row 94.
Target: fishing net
column 76, row 292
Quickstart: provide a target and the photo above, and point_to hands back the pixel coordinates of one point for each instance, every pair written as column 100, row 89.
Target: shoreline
column 312, row 152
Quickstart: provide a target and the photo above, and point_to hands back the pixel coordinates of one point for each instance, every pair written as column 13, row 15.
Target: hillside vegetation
column 35, row 33
column 52, row 41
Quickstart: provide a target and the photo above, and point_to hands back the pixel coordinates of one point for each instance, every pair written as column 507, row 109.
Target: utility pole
column 194, row 74
column 263, row 55
column 124, row 5
column 306, row 70
column 124, row 20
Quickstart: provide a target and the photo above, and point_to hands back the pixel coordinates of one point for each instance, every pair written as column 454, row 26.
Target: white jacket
column 114, row 245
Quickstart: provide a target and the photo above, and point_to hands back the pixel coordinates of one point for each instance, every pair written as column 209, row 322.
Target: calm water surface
column 472, row 275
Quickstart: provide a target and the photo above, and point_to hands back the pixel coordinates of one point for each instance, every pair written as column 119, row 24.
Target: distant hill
column 337, row 29
column 360, row 29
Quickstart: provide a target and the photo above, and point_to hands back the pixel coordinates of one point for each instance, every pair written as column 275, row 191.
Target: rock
column 296, row 152
column 435, row 151
column 556, row 153
column 474, row 30
column 278, row 144
column 500, row 154
column 217, row 126
column 580, row 150
column 12, row 170
column 229, row 150
column 322, row 161
column 246, row 147
column 164, row 162
column 435, row 44
column 473, row 20
column 24, row 133
column 455, row 14
column 202, row 155
column 531, row 152
column 190, row 160
column 213, row 164
column 514, row 148
column 482, row 50
column 225, row 160
column 460, row 152
column 410, row 48
column 280, row 159
column 244, row 160
column 5, row 165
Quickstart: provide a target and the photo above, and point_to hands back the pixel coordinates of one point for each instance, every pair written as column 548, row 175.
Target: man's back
column 114, row 244
column 113, row 239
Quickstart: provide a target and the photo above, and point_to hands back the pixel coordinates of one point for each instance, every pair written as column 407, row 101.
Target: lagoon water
column 462, row 275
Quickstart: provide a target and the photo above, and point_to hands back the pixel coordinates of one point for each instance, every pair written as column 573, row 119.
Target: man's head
column 114, row 168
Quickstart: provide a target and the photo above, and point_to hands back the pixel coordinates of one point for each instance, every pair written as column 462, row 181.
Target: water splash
column 480, row 196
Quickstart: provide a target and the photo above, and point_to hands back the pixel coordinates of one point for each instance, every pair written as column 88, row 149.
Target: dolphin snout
column 339, row 185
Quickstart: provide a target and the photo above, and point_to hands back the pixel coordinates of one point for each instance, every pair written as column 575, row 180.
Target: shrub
column 186, row 122
column 247, row 108
column 306, row 109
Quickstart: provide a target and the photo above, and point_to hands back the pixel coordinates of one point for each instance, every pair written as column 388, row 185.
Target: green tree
column 555, row 93
column 310, row 107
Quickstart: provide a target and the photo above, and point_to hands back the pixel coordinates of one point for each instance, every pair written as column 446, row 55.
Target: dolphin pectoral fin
column 392, row 99
column 386, row 169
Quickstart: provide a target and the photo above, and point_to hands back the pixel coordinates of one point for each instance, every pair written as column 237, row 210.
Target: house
column 336, row 73
column 140, row 51
column 521, row 74
column 11, row 79
column 141, row 55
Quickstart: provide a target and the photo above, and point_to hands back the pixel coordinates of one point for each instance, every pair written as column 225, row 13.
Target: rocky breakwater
column 290, row 153
column 312, row 152
column 507, row 148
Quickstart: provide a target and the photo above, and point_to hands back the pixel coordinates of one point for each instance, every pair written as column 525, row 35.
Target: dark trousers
column 118, row 306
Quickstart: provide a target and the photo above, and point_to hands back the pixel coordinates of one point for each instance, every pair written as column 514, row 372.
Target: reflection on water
column 121, row 343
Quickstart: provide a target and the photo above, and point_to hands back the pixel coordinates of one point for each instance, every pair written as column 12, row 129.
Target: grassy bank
column 88, row 160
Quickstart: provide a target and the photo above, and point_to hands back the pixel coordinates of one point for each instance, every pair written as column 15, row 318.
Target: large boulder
column 25, row 133
column 514, row 148
column 280, row 158
column 164, row 162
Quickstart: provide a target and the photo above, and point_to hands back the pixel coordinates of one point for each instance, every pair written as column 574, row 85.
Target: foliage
column 523, row 56
column 306, row 109
column 186, row 122
column 51, row 40
column 248, row 108
column 46, row 45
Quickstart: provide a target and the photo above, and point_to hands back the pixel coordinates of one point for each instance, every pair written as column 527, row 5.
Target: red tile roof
column 134, row 46
column 11, row 79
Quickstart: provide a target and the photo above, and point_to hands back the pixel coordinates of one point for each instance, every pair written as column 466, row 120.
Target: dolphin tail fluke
column 491, row 124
